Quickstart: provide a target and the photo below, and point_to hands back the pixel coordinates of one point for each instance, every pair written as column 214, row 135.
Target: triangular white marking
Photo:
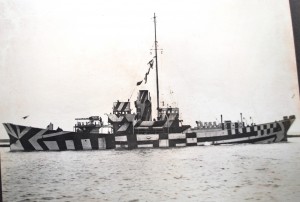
column 17, row 146
column 9, row 130
column 33, row 140
column 24, row 132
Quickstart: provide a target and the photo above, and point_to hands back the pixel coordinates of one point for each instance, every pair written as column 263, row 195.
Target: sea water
column 246, row 172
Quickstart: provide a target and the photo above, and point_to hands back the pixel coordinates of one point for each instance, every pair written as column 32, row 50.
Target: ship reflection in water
column 242, row 172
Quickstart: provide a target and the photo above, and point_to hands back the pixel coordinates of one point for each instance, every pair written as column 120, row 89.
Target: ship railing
column 88, row 125
column 208, row 125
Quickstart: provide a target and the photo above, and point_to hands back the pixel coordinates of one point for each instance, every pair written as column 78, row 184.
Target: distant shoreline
column 290, row 136
column 4, row 142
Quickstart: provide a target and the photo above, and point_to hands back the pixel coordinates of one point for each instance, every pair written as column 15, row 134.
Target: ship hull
column 264, row 133
column 24, row 138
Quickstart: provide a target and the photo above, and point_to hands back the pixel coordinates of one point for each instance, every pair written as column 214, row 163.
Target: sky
column 67, row 59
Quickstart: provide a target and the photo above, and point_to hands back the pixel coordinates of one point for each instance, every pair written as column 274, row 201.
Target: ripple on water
column 219, row 173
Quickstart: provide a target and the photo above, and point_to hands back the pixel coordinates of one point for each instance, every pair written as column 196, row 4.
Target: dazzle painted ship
column 138, row 130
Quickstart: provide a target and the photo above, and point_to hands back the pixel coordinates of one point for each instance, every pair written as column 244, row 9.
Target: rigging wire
column 136, row 74
column 132, row 93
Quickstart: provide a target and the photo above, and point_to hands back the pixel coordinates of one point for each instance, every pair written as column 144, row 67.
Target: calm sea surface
column 247, row 172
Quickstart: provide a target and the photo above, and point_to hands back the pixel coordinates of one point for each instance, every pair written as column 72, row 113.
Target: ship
column 128, row 130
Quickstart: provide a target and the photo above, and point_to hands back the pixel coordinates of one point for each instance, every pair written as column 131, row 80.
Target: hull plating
column 24, row 138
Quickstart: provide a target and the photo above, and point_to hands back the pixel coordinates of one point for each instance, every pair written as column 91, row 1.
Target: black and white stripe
column 24, row 138
column 35, row 139
column 267, row 133
column 121, row 106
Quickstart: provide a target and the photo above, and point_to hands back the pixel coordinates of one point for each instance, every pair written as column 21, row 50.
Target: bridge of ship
column 124, row 121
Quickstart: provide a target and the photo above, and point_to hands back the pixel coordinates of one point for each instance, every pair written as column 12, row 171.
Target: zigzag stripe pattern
column 30, row 139
column 121, row 106
column 35, row 139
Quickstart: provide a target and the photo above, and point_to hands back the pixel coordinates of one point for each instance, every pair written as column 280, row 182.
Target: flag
column 147, row 73
column 151, row 63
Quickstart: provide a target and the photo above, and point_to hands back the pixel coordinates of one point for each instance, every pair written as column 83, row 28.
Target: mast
column 156, row 65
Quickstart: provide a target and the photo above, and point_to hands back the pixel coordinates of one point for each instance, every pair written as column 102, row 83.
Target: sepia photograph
column 149, row 100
